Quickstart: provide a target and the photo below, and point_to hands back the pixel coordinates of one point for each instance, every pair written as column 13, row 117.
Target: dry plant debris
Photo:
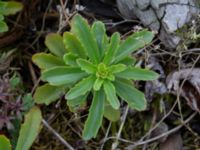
column 187, row 83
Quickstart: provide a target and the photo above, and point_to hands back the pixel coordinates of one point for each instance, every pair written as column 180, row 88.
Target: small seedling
column 86, row 61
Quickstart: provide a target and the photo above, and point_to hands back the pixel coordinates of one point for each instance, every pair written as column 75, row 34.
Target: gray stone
column 169, row 40
column 148, row 18
column 125, row 9
column 166, row 15
column 156, row 3
column 176, row 16
column 142, row 4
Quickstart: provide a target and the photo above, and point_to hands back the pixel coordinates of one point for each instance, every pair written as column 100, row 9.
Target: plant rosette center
column 103, row 72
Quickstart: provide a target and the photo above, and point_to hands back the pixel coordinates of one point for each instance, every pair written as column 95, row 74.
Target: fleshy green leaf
column 111, row 77
column 3, row 26
column 111, row 94
column 129, row 61
column 133, row 43
column 113, row 46
column 138, row 74
column 81, row 29
column 99, row 32
column 4, row 143
column 117, row 68
column 70, row 59
column 86, row 66
column 77, row 101
column 47, row 94
column 54, row 43
column 134, row 98
column 29, row 129
column 3, row 5
column 1, row 17
column 10, row 8
column 98, row 83
column 73, row 44
column 95, row 116
column 62, row 75
column 81, row 88
column 47, row 61
column 110, row 113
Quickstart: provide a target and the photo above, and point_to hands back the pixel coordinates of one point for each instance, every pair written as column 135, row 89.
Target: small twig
column 63, row 6
column 34, row 78
column 57, row 135
column 43, row 24
column 107, row 132
column 191, row 51
column 178, row 95
column 115, row 144
column 62, row 13
column 180, row 89
column 157, row 137
column 35, row 86
column 114, row 24
column 160, row 121
column 166, row 133
column 186, row 77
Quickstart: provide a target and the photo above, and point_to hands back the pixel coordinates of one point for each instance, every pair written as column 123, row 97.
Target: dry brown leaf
column 173, row 142
column 187, row 83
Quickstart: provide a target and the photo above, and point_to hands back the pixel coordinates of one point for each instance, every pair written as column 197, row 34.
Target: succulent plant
column 86, row 61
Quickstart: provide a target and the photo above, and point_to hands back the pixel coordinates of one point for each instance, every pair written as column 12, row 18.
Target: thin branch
column 61, row 139
column 115, row 144
column 107, row 132
column 43, row 24
column 157, row 137
column 166, row 133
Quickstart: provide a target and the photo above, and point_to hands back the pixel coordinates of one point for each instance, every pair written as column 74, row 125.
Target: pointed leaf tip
column 82, row 30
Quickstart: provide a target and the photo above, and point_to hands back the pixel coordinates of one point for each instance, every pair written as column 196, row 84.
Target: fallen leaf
column 173, row 142
column 189, row 79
